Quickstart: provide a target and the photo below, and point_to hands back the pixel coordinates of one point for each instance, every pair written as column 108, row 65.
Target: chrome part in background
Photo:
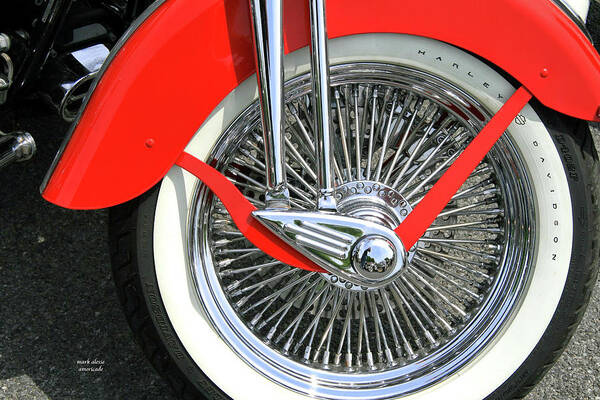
column 320, row 336
column 75, row 74
column 73, row 97
column 267, row 25
column 22, row 147
column 4, row 42
column 7, row 71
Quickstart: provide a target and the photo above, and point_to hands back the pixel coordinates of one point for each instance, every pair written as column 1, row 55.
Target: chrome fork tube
column 321, row 104
column 268, row 40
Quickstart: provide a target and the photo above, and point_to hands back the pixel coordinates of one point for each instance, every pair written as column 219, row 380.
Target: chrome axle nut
column 374, row 257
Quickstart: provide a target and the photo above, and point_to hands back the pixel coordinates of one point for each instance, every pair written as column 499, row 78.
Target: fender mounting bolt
column 149, row 143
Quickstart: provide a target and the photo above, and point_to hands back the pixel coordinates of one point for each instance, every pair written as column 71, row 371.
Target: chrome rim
column 316, row 335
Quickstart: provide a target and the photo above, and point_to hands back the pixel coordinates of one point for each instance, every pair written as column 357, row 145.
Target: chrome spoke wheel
column 396, row 131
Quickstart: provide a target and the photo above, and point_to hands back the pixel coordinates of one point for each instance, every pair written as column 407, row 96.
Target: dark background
column 58, row 304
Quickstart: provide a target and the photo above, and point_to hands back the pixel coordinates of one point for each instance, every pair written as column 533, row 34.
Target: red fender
column 186, row 56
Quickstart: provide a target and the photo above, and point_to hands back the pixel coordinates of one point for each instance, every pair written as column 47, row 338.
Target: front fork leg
column 268, row 43
column 321, row 104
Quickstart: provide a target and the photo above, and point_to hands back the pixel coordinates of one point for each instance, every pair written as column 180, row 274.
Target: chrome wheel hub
column 372, row 201
column 330, row 239
column 357, row 243
column 324, row 335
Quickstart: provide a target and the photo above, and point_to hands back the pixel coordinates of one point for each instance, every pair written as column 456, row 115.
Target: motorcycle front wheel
column 493, row 291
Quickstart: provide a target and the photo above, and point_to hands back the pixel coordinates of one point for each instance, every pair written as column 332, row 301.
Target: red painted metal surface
column 189, row 55
column 241, row 210
column 421, row 217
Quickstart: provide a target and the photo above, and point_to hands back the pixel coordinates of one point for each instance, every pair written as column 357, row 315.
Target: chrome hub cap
column 374, row 256
column 324, row 336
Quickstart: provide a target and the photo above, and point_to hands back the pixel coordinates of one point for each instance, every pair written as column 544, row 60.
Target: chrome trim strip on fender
column 567, row 9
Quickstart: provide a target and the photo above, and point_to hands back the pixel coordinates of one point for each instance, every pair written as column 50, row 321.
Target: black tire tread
column 122, row 232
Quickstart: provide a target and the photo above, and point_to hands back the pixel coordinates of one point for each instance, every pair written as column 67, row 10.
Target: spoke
column 417, row 152
column 292, row 282
column 346, row 335
column 433, row 174
column 347, row 120
column 298, row 158
column 399, row 150
column 445, row 324
column 228, row 242
column 386, row 137
column 381, row 114
column 440, row 148
column 471, row 270
column 434, row 269
column 237, row 251
column 447, row 258
column 258, row 185
column 485, row 256
column 363, row 332
column 234, row 271
column 459, row 225
column 266, row 281
column 343, row 135
column 420, row 309
column 286, row 306
column 431, row 287
column 327, row 332
column 288, row 343
column 400, row 300
column 358, row 133
column 297, row 176
column 237, row 283
column 307, row 115
column 289, row 169
column 375, row 318
column 312, row 327
column 305, row 134
column 302, row 312
column 371, row 133
column 309, row 291
column 468, row 207
column 228, row 261
column 391, row 316
column 473, row 190
column 406, row 134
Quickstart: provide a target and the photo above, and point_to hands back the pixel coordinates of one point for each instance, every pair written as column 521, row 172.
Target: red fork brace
column 409, row 231
column 422, row 216
column 241, row 210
